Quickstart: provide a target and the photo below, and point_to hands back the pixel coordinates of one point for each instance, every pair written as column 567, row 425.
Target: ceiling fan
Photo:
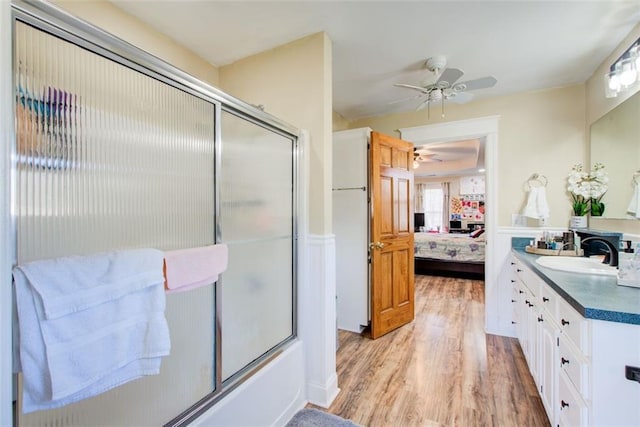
column 445, row 88
column 422, row 156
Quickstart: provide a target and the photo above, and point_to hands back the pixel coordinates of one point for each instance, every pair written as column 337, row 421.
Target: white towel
column 75, row 283
column 537, row 206
column 634, row 204
column 92, row 349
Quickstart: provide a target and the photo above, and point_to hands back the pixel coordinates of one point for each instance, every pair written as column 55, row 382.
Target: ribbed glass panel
column 109, row 158
column 256, row 215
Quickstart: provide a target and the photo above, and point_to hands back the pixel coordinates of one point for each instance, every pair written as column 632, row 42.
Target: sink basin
column 577, row 265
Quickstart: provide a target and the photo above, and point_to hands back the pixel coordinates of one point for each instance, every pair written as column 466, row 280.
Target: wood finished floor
column 440, row 370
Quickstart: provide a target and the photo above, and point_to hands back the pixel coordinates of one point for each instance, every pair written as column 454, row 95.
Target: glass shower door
column 257, row 223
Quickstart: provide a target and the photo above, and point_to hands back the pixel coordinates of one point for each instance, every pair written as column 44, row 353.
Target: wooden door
column 391, row 247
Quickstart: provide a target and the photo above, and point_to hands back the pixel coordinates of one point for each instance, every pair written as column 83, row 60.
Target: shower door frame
column 52, row 20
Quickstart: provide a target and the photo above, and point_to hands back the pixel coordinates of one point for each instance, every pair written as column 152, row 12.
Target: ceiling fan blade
column 423, row 105
column 421, row 89
column 450, row 75
column 397, row 101
column 461, row 97
column 481, row 83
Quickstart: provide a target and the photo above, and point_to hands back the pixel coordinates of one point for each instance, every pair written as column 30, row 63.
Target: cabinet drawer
column 548, row 300
column 529, row 279
column 574, row 366
column 573, row 411
column 575, row 327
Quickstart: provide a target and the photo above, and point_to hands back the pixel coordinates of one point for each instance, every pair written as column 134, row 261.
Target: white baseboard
column 323, row 394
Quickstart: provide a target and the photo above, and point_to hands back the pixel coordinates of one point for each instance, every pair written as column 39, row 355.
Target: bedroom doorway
column 486, row 128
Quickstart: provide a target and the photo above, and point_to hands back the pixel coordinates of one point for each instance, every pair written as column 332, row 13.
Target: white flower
column 588, row 185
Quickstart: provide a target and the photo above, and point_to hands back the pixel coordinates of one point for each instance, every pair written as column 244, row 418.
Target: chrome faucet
column 612, row 256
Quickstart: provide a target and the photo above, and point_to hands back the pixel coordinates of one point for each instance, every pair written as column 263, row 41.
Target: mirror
column 615, row 142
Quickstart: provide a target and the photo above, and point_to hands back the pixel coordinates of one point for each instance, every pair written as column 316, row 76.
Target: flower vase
column 578, row 222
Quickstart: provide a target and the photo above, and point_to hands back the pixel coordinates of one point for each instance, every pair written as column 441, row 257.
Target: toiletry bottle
column 625, row 262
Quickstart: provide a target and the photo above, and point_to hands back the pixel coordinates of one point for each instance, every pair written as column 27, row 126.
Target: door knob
column 376, row 245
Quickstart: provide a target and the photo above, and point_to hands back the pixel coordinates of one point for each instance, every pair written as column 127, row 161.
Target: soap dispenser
column 629, row 266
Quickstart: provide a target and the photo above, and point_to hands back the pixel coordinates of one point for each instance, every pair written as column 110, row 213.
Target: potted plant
column 578, row 186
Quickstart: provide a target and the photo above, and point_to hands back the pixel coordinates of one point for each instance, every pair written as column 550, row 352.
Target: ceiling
column 464, row 157
column 525, row 45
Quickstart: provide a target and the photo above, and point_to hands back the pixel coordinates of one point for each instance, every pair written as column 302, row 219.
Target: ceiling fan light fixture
column 445, row 87
column 416, row 164
column 435, row 95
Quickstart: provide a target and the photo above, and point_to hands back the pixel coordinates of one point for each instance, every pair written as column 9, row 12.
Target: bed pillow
column 480, row 238
column 476, row 233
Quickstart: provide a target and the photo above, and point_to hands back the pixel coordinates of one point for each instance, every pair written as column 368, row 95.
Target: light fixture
column 481, row 170
column 416, row 164
column 624, row 73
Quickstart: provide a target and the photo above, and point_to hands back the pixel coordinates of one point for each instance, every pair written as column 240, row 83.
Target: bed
column 457, row 255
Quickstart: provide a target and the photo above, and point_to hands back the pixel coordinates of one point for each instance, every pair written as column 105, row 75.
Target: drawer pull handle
column 513, row 322
column 540, row 319
column 545, row 299
column 563, row 361
column 513, row 281
column 513, row 300
column 518, row 270
column 513, row 263
column 564, row 322
column 521, row 292
column 563, row 404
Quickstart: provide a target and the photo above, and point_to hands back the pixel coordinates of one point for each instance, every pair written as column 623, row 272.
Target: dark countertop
column 595, row 297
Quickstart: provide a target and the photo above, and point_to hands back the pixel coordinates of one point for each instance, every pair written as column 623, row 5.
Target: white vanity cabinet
column 537, row 330
column 577, row 363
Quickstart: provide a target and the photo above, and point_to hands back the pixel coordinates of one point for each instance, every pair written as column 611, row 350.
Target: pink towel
column 187, row 269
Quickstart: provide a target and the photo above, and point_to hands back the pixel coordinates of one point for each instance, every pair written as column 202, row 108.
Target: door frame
column 482, row 127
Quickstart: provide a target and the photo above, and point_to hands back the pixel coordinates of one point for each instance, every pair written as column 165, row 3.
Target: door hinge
column 558, row 341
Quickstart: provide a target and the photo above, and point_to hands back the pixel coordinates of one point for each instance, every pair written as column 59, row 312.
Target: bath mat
column 309, row 417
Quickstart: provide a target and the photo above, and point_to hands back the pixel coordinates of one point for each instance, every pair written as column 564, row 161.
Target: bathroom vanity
column 579, row 333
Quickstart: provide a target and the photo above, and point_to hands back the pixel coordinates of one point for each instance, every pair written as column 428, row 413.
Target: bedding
column 450, row 247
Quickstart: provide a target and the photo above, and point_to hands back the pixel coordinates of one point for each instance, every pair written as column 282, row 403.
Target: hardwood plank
column 439, row 370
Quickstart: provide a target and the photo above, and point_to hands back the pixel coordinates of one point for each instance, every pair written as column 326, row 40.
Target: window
column 433, row 207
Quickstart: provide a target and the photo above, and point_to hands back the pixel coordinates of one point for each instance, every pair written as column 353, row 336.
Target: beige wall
column 293, row 82
column 596, row 106
column 540, row 131
column 108, row 17
column 339, row 122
